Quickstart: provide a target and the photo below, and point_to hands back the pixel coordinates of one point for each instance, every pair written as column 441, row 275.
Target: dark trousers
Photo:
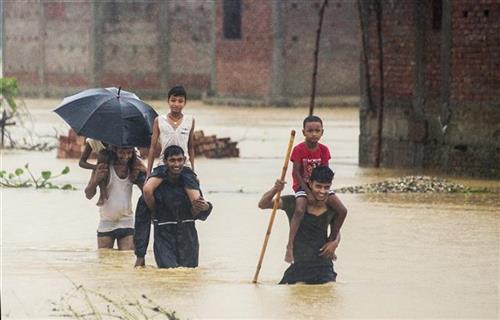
column 176, row 245
column 308, row 274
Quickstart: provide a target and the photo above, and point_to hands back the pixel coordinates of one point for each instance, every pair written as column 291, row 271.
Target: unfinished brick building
column 431, row 85
column 264, row 50
column 59, row 47
column 261, row 50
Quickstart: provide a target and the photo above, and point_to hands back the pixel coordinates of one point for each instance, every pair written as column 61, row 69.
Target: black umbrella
column 111, row 115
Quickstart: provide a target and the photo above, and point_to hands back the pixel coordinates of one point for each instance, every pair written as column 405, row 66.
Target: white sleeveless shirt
column 179, row 136
column 116, row 212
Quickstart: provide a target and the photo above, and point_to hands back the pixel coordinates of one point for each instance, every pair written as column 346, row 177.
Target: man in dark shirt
column 175, row 236
column 313, row 249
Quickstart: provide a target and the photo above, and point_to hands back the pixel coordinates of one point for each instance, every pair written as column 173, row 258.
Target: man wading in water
column 175, row 236
column 116, row 214
column 313, row 250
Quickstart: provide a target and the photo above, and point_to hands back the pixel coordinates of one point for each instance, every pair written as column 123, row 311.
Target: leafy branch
column 9, row 90
column 18, row 179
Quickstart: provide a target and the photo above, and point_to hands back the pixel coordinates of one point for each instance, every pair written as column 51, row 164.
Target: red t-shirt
column 309, row 159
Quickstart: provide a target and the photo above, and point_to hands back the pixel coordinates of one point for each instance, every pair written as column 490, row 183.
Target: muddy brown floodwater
column 401, row 255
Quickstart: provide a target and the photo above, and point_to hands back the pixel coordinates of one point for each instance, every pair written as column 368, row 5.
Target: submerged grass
column 97, row 305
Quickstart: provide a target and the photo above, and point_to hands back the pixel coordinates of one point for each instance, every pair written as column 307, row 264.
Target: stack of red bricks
column 72, row 146
column 213, row 147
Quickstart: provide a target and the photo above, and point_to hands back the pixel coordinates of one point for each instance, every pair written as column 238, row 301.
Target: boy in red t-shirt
column 305, row 157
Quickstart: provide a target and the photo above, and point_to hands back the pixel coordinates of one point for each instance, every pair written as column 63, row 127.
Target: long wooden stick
column 275, row 207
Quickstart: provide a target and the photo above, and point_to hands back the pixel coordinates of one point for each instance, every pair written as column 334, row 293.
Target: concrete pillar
column 97, row 43
column 42, row 35
column 2, row 36
column 446, row 35
column 164, row 65
column 213, row 60
column 278, row 61
column 419, row 89
column 417, row 123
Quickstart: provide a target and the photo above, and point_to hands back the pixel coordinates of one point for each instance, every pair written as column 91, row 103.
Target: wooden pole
column 275, row 207
column 316, row 52
column 363, row 10
column 380, row 109
column 3, row 122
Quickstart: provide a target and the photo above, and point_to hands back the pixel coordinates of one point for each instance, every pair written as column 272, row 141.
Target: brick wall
column 130, row 46
column 244, row 66
column 190, row 54
column 60, row 47
column 277, row 45
column 475, row 53
column 441, row 105
column 67, row 46
column 47, row 45
column 338, row 60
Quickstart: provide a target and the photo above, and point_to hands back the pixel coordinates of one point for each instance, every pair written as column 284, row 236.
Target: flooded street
column 401, row 255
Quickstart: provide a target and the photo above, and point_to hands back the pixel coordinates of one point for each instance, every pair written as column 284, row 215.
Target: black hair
column 177, row 91
column 322, row 174
column 311, row 119
column 134, row 164
column 172, row 150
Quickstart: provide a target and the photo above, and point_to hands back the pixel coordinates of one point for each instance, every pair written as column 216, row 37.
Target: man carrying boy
column 173, row 128
column 313, row 249
column 116, row 214
column 305, row 157
column 175, row 236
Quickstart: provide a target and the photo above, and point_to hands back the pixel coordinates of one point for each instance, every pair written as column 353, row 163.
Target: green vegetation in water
column 8, row 90
column 16, row 114
column 17, row 179
column 100, row 306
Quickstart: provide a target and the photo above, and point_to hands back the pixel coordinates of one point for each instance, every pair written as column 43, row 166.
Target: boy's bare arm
column 267, row 201
column 83, row 163
column 297, row 169
column 191, row 146
column 100, row 173
column 152, row 147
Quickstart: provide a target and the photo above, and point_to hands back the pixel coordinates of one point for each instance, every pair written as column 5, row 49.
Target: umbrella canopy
column 111, row 115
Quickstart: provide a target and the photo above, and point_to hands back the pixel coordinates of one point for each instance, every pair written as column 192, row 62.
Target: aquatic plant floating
column 18, row 179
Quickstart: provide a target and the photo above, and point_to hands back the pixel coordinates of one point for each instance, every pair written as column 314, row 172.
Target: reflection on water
column 401, row 255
